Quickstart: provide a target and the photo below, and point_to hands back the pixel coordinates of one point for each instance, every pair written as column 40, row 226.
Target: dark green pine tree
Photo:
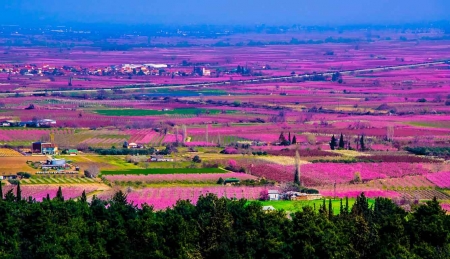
column 341, row 142
column 59, row 194
column 48, row 196
column 120, row 198
column 9, row 196
column 330, row 210
column 362, row 144
column 294, row 140
column 83, row 197
column 289, row 136
column 1, row 191
column 333, row 143
column 19, row 193
column 341, row 208
column 346, row 205
column 323, row 208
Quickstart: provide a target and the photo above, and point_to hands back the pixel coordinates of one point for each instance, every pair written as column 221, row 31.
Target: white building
column 274, row 195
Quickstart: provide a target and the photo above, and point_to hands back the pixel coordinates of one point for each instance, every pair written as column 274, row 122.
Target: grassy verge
column 293, row 206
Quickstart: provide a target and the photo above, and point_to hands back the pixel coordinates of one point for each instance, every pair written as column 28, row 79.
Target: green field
column 138, row 112
column 293, row 206
column 166, row 171
column 431, row 124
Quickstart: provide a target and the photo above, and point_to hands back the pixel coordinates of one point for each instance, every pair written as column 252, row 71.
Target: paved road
column 254, row 80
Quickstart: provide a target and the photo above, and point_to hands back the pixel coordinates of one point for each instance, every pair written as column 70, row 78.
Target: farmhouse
column 45, row 122
column 274, row 195
column 44, row 148
column 132, row 145
column 54, row 164
column 72, row 152
column 5, row 124
column 299, row 196
column 159, row 158
column 206, row 72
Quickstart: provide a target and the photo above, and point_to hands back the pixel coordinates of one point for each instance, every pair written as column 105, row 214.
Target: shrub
column 220, row 181
column 24, row 175
column 229, row 151
column 422, row 100
column 196, row 159
column 264, row 195
column 310, row 191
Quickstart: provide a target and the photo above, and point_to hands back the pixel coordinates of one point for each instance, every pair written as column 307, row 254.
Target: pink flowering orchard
column 178, row 113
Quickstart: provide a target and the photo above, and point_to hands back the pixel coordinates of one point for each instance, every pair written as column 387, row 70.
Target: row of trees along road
column 217, row 228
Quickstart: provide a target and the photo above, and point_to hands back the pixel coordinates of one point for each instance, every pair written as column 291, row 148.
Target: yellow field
column 282, row 160
column 7, row 152
column 349, row 153
column 13, row 165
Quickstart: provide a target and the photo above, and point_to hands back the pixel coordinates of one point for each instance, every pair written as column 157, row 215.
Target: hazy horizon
column 232, row 12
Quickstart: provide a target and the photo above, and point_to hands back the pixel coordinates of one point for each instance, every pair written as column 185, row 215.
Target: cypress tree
column 294, row 140
column 1, row 190
column 19, row 193
column 83, row 197
column 341, row 209
column 59, row 194
column 323, row 208
column 289, row 137
column 346, row 205
column 297, row 169
column 341, row 142
column 296, row 178
column 48, row 197
column 120, row 198
column 330, row 210
column 333, row 143
column 361, row 143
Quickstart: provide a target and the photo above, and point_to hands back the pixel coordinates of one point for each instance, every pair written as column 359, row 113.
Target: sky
column 230, row 12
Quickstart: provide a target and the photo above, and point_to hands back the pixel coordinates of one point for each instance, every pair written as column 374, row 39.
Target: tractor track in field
column 225, row 82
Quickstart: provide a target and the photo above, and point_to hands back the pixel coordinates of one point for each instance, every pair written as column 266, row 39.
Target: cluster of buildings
column 57, row 166
column 123, row 69
column 42, row 148
column 132, row 145
column 44, row 123
column 159, row 158
column 49, row 70
column 275, row 195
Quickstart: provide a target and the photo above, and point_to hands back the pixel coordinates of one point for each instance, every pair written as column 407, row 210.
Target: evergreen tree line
column 217, row 228
column 342, row 145
column 287, row 141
